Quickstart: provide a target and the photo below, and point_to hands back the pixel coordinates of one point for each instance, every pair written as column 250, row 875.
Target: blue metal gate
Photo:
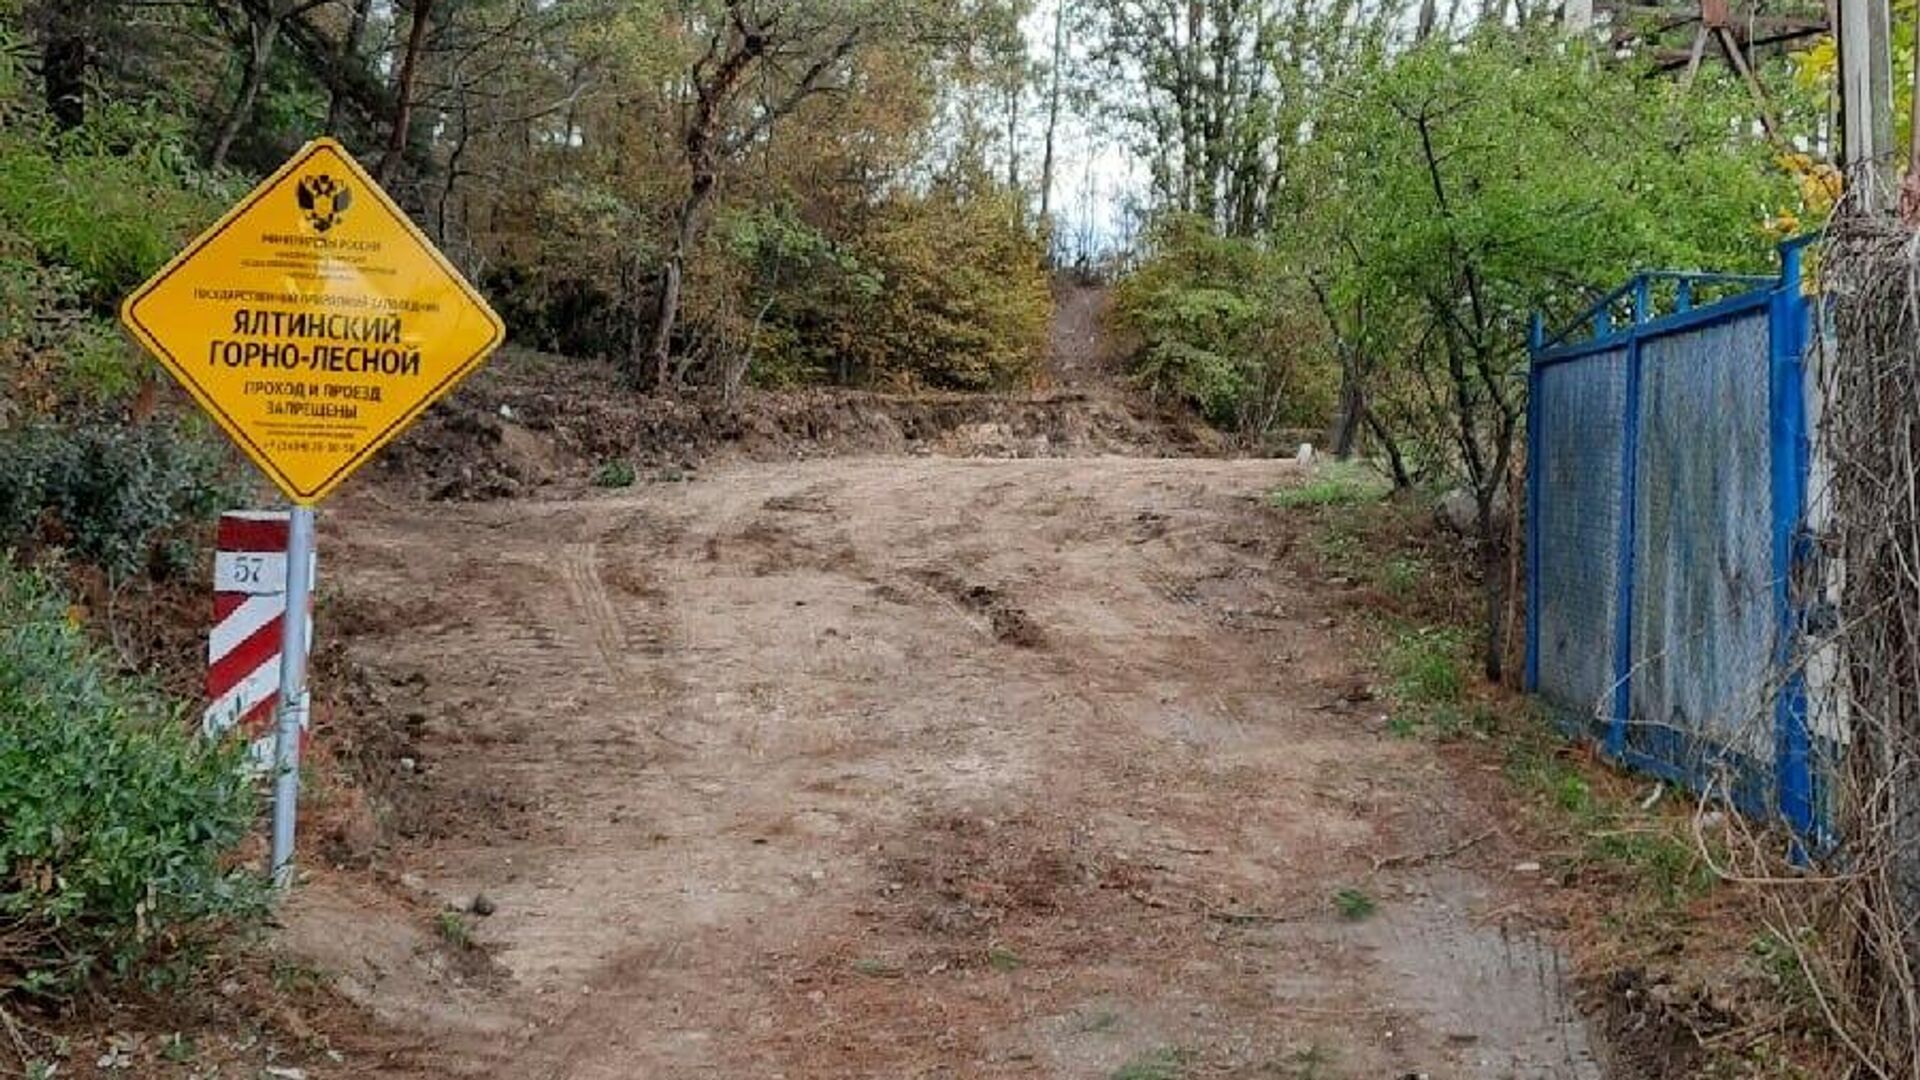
column 1666, row 490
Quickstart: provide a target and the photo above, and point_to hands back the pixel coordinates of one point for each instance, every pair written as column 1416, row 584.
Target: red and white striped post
column 255, row 654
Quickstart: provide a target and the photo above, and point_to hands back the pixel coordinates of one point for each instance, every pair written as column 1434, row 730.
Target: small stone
column 482, row 905
column 284, row 1072
column 407, row 764
column 1526, row 868
column 413, row 883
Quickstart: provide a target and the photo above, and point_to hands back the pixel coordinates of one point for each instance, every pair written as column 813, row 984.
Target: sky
column 1095, row 176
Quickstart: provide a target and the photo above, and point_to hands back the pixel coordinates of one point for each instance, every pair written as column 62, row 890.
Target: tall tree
column 262, row 20
column 759, row 61
column 419, row 17
column 348, row 53
column 1218, row 91
column 1056, row 75
column 1436, row 238
column 745, row 47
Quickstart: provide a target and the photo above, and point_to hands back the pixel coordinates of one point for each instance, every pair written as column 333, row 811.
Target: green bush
column 112, row 200
column 966, row 301
column 617, row 473
column 114, row 817
column 55, row 349
column 119, row 495
column 1219, row 328
column 801, row 294
column 945, row 289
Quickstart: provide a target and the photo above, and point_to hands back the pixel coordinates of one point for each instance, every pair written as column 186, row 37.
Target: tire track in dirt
column 977, row 771
column 580, row 566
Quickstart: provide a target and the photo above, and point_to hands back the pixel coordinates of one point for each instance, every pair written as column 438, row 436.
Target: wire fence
column 1668, row 464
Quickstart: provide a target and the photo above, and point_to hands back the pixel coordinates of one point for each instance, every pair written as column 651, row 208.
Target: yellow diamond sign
column 314, row 322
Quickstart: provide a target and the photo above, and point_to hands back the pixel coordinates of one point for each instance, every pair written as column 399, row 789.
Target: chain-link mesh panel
column 1703, row 611
column 1580, row 413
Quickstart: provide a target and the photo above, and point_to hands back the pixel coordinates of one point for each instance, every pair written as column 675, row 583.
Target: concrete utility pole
column 1576, row 17
column 1866, row 100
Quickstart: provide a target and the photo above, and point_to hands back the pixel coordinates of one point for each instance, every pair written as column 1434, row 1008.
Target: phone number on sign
column 311, row 446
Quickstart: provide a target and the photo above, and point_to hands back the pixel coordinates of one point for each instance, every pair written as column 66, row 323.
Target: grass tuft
column 453, row 929
column 1164, row 1063
column 616, row 473
column 1353, row 904
column 1426, row 666
column 1337, row 483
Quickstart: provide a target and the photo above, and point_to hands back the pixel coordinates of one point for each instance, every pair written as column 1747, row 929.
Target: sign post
column 292, row 718
column 314, row 322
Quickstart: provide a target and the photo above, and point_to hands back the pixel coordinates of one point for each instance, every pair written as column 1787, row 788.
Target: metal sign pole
column 292, row 718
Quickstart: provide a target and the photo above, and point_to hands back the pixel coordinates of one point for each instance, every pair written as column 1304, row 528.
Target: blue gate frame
column 1790, row 793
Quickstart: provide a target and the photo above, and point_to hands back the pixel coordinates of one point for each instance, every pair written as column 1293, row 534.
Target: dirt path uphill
column 908, row 768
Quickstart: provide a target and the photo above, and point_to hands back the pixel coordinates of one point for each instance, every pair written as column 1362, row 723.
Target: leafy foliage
column 119, row 495
column 111, row 201
column 1431, row 228
column 84, row 215
column 802, row 293
column 966, row 299
column 1216, row 321
column 117, row 816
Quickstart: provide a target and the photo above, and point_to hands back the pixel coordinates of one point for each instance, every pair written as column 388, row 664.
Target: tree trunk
column 1013, row 136
column 403, row 93
column 1353, row 405
column 1493, row 568
column 1402, row 479
column 667, row 312
column 349, row 53
column 1053, row 111
column 453, row 165
column 63, row 64
column 262, row 30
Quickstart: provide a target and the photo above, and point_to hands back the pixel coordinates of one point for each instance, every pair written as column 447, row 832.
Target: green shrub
column 1354, row 905
column 946, row 289
column 1218, row 327
column 1163, row 1063
column 115, row 494
column 54, row 349
column 617, row 473
column 112, row 201
column 966, row 300
column 800, row 296
column 116, row 817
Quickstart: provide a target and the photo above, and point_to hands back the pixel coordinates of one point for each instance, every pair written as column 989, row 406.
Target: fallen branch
column 1418, row 858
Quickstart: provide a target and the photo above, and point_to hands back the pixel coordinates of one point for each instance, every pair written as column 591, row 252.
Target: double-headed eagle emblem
column 324, row 200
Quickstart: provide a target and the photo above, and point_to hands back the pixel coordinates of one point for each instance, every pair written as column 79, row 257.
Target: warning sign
column 314, row 322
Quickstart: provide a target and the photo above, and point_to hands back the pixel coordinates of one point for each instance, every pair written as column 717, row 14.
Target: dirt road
column 909, row 768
